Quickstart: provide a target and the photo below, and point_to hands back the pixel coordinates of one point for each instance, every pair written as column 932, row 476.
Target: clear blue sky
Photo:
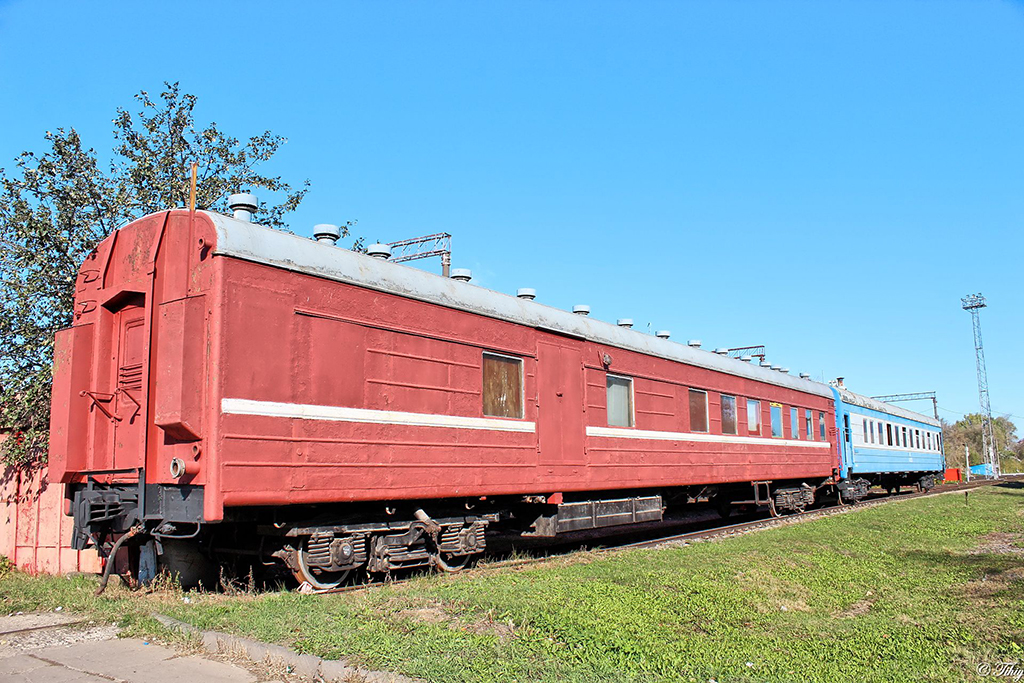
column 827, row 179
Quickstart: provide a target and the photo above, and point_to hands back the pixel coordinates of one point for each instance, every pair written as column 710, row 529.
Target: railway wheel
column 314, row 576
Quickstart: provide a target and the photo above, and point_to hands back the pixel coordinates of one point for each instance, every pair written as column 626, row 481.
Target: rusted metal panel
column 180, row 372
column 69, row 408
column 304, row 373
column 560, row 401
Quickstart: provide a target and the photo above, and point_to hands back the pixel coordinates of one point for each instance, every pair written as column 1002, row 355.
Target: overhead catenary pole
column 973, row 303
column 894, row 398
column 438, row 244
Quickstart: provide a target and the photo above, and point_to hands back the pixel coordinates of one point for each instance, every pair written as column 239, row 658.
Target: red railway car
column 232, row 389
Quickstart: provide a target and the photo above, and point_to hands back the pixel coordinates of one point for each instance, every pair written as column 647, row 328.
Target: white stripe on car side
column 620, row 433
column 304, row 411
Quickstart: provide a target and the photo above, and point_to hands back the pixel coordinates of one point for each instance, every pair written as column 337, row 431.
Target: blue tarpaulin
column 984, row 470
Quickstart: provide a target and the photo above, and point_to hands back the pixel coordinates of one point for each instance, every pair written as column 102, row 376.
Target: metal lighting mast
column 974, row 303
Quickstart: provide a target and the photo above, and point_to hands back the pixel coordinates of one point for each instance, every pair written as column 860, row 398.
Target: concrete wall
column 34, row 532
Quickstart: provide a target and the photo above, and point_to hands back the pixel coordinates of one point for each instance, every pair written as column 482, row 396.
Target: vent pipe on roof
column 722, row 351
column 325, row 232
column 624, row 322
column 784, row 370
column 695, row 343
column 747, row 359
column 805, row 375
column 581, row 309
column 662, row 334
column 378, row 250
column 776, row 367
column 765, row 364
column 462, row 274
column 243, row 205
column 527, row 293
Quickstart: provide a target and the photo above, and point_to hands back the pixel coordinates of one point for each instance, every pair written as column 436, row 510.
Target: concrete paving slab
column 17, row 663
column 116, row 659
column 21, row 622
column 53, row 674
column 134, row 661
column 190, row 669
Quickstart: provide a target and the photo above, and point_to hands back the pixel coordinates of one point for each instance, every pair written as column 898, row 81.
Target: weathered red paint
column 34, row 534
column 166, row 330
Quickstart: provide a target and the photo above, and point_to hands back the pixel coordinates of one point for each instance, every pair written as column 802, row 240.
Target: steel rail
column 703, row 534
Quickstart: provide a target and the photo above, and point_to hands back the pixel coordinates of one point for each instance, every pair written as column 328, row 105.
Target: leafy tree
column 56, row 206
column 967, row 431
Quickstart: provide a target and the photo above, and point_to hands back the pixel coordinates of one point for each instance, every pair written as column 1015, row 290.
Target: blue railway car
column 885, row 445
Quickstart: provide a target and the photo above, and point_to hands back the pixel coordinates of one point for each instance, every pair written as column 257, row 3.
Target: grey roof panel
column 866, row 402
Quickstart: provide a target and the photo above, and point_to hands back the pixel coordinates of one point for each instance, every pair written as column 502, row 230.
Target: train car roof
column 848, row 396
column 259, row 244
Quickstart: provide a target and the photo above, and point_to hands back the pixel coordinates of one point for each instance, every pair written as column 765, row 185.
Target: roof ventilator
column 805, row 375
column 625, row 322
column 462, row 274
column 581, row 309
column 378, row 250
column 527, row 293
column 747, row 359
column 694, row 343
column 662, row 334
column 243, row 205
column 325, row 232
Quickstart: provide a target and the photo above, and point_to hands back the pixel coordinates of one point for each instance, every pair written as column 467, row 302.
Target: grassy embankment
column 923, row 589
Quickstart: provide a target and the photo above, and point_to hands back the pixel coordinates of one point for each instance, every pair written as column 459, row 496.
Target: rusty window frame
column 701, row 397
column 497, row 403
column 726, row 398
column 620, row 381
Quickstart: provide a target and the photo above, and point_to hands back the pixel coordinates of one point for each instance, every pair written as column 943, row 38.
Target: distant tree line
column 967, row 431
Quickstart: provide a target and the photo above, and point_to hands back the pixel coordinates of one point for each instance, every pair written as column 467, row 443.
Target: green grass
column 914, row 590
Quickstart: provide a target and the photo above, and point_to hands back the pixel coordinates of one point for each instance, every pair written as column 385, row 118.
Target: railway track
column 719, row 531
column 744, row 527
